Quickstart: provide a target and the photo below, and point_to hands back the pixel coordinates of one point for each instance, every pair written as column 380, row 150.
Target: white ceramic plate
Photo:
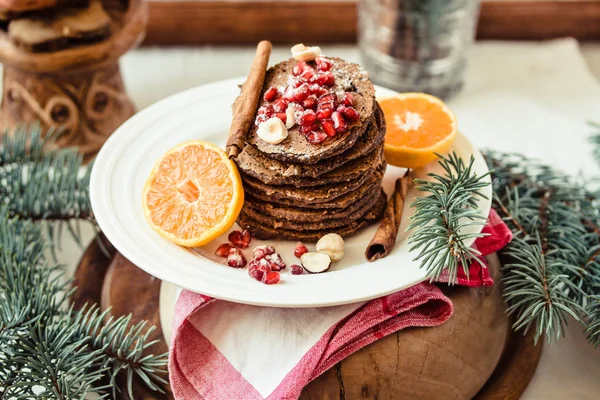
column 204, row 112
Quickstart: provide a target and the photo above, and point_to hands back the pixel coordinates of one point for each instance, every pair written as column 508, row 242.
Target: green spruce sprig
column 440, row 219
column 552, row 267
column 48, row 349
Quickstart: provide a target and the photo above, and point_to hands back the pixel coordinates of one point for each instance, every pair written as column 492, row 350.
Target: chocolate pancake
column 315, row 194
column 349, row 77
column 326, row 197
column 261, row 231
column 276, row 223
column 273, row 172
column 254, row 206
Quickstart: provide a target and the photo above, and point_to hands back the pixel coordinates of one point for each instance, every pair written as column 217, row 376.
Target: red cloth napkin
column 222, row 350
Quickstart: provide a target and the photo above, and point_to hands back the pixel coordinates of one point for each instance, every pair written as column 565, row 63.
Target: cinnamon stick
column 244, row 107
column 384, row 239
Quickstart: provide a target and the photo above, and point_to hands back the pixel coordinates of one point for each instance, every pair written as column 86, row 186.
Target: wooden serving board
column 473, row 355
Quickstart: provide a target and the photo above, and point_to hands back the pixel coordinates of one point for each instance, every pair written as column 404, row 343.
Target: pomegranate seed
column 308, row 75
column 236, row 259
column 348, row 99
column 223, row 250
column 282, row 116
column 288, row 93
column 240, row 239
column 328, row 127
column 260, row 119
column 280, row 105
column 350, row 114
column 300, row 249
column 299, row 68
column 339, row 123
column 310, row 102
column 328, row 101
column 308, row 118
column 258, row 268
column 271, row 278
column 275, row 261
column 301, row 93
column 326, row 79
column 246, row 238
column 316, row 137
column 317, row 90
column 306, row 129
column 297, row 269
column 261, row 251
column 266, row 110
column 324, row 113
column 271, row 94
column 323, row 64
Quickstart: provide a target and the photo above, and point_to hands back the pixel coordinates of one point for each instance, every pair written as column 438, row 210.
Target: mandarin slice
column 193, row 194
column 417, row 126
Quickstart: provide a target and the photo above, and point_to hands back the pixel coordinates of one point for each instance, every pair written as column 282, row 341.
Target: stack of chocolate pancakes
column 296, row 190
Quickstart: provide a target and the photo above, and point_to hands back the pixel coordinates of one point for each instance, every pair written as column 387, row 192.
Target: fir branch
column 595, row 141
column 440, row 218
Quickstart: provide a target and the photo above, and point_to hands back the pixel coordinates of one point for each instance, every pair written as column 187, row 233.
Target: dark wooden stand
column 474, row 355
column 79, row 89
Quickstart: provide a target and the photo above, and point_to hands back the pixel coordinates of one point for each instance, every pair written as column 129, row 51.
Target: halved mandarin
column 418, row 125
column 193, row 194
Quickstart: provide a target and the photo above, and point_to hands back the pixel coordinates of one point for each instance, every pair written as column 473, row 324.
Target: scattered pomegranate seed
column 310, row 102
column 236, row 259
column 299, row 68
column 300, row 249
column 350, row 114
column 348, row 99
column 223, row 250
column 326, row 79
column 246, row 238
column 297, row 269
column 316, row 137
column 282, row 116
column 308, row 118
column 261, row 251
column 258, row 268
column 240, row 239
column 317, row 90
column 271, row 94
column 271, row 278
column 266, row 110
column 324, row 113
column 328, row 127
column 275, row 261
column 306, row 129
column 339, row 123
column 280, row 105
column 301, row 93
column 323, row 64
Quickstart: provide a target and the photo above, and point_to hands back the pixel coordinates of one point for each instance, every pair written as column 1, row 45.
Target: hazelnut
column 315, row 263
column 272, row 131
column 301, row 52
column 331, row 244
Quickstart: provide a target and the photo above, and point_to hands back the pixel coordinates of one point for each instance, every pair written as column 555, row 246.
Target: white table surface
column 547, row 76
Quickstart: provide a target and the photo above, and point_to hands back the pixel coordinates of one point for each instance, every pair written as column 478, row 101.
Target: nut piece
column 302, row 53
column 290, row 116
column 315, row 263
column 331, row 244
column 272, row 131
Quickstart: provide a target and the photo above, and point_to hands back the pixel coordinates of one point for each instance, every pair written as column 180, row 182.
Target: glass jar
column 417, row 45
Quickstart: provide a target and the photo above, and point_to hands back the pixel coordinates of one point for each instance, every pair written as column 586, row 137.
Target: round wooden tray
column 473, row 355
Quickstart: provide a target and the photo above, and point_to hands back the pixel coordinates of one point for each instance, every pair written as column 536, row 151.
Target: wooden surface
column 284, row 22
column 452, row 361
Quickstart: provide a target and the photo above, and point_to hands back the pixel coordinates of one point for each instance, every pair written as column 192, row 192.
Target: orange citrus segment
column 193, row 194
column 417, row 126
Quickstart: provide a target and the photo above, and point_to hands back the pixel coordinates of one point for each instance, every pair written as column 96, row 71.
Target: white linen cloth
column 532, row 98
